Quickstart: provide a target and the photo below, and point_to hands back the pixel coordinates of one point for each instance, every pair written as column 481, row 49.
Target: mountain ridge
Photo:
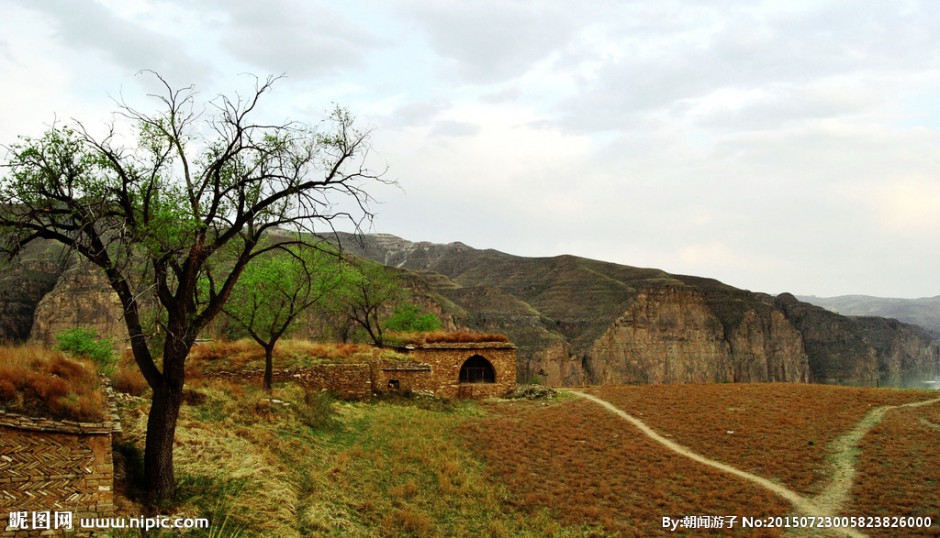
column 923, row 311
column 601, row 322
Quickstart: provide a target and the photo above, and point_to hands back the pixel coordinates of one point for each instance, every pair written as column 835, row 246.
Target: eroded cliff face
column 81, row 298
column 671, row 335
column 767, row 348
column 23, row 283
column 836, row 345
column 667, row 335
column 900, row 347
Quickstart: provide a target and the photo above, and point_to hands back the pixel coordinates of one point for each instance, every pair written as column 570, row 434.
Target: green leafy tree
column 408, row 317
column 274, row 290
column 179, row 214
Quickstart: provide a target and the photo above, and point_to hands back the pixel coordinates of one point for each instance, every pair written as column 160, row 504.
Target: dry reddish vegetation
column 898, row 471
column 778, row 431
column 38, row 382
column 591, row 467
column 246, row 354
column 447, row 337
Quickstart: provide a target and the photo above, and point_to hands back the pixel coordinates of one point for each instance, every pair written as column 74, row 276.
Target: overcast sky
column 776, row 146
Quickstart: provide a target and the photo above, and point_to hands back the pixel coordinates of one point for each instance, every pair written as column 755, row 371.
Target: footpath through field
column 827, row 503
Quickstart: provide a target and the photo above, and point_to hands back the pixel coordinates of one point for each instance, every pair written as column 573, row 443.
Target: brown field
column 778, row 431
column 899, row 470
column 302, row 465
column 589, row 467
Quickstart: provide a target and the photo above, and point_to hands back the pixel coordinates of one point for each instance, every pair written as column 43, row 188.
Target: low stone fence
column 347, row 380
column 49, row 466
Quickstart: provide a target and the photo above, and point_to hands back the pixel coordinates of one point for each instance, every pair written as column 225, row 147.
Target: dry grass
column 899, row 470
column 587, row 466
column 779, row 431
column 127, row 378
column 376, row 469
column 248, row 355
column 446, row 337
column 36, row 381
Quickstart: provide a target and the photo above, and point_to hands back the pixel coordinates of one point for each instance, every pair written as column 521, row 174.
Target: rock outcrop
column 81, row 297
column 23, row 283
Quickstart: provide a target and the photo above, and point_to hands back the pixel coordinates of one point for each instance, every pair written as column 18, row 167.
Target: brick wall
column 51, row 465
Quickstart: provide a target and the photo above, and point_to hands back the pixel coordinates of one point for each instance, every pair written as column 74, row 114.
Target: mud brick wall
column 51, row 465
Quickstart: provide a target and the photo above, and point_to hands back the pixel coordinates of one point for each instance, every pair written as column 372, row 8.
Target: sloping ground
column 899, row 470
column 298, row 465
column 586, row 465
column 783, row 432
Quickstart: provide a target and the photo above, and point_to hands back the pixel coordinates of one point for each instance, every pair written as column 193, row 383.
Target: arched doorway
column 476, row 369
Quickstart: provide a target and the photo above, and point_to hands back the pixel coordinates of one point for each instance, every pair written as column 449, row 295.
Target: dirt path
column 834, row 497
column 827, row 503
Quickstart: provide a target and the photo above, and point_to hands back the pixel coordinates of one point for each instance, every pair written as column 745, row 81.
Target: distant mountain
column 583, row 321
column 923, row 312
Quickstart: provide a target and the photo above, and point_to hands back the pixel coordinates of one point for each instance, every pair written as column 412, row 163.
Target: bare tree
column 180, row 214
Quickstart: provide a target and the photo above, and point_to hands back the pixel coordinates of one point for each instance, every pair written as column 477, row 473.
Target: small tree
column 367, row 295
column 274, row 290
column 179, row 215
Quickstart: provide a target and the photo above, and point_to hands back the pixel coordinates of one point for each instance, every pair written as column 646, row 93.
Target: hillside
column 295, row 465
column 576, row 321
column 581, row 321
column 924, row 312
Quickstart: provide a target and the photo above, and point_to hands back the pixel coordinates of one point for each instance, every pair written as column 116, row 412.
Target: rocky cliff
column 23, row 283
column 81, row 297
column 585, row 321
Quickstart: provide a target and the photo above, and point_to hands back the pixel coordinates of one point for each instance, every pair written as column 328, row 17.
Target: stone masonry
column 54, row 466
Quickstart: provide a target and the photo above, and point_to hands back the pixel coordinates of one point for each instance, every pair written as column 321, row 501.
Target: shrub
column 82, row 342
column 317, row 410
column 408, row 318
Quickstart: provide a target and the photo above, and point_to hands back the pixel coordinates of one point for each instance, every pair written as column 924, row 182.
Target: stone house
column 451, row 370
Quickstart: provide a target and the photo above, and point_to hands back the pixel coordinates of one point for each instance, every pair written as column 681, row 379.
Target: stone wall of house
column 54, row 466
column 445, row 360
column 433, row 368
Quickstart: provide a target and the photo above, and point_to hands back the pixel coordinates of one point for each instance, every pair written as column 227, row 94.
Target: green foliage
column 367, row 292
column 408, row 317
column 85, row 343
column 280, row 284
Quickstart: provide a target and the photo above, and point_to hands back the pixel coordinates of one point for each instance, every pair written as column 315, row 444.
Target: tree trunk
column 268, row 366
column 159, row 478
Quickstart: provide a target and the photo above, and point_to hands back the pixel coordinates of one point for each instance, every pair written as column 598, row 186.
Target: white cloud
column 776, row 145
